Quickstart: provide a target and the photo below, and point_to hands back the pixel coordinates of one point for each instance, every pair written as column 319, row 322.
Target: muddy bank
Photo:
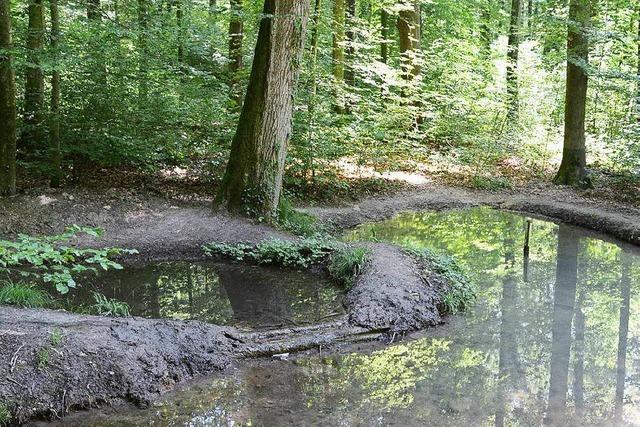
column 52, row 362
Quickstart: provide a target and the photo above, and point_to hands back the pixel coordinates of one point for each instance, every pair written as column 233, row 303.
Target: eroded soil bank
column 100, row 360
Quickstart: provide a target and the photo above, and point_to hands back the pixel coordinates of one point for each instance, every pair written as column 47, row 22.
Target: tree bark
column 574, row 159
column 54, row 124
column 236, row 36
column 34, row 136
column 409, row 30
column 7, row 105
column 252, row 183
column 513, row 51
column 384, row 44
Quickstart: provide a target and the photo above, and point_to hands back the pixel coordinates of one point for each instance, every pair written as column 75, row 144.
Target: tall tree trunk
column 54, row 124
column 349, row 73
column 384, row 45
column 563, row 305
column 638, row 69
column 623, row 334
column 513, row 51
column 143, row 53
column 252, row 183
column 574, row 158
column 236, row 36
column 34, row 135
column 337, row 53
column 409, row 30
column 7, row 105
column 313, row 90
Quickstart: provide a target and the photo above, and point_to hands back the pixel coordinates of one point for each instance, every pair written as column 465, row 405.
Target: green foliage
column 23, row 295
column 490, row 183
column 346, row 264
column 4, row 414
column 299, row 254
column 460, row 291
column 55, row 337
column 50, row 259
column 110, row 307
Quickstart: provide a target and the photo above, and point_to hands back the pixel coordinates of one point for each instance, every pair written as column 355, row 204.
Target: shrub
column 23, row 295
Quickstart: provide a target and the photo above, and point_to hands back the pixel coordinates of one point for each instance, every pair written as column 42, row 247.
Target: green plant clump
column 298, row 223
column 461, row 291
column 23, row 295
column 49, row 259
column 346, row 264
column 4, row 414
column 110, row 307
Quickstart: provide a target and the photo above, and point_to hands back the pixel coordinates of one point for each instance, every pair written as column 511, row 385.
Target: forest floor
column 130, row 359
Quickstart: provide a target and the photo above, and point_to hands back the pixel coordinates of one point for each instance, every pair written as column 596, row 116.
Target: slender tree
column 143, row 52
column 180, row 24
column 252, row 183
column 236, row 37
column 349, row 73
column 574, row 158
column 513, row 52
column 7, row 105
column 34, row 135
column 384, row 44
column 54, row 124
column 337, row 53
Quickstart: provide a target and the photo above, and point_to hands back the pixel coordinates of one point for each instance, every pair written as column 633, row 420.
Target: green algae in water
column 554, row 338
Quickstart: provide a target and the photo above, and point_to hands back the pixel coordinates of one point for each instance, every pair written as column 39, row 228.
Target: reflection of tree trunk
column 578, row 364
column 508, row 364
column 563, row 305
column 526, row 250
column 623, row 334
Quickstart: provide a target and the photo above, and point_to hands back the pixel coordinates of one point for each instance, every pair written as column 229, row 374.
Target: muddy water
column 554, row 339
column 224, row 294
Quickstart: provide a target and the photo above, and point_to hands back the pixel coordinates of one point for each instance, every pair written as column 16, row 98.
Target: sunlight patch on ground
column 350, row 169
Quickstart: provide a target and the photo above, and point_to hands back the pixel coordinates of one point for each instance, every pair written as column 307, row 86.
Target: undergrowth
column 23, row 295
column 343, row 262
column 460, row 291
column 4, row 414
column 296, row 222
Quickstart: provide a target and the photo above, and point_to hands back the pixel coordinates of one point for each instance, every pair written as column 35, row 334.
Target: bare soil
column 105, row 361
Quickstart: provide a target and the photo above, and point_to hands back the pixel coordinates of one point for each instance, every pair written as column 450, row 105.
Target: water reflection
column 226, row 294
column 553, row 339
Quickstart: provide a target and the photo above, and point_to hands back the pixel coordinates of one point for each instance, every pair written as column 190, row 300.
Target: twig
column 14, row 359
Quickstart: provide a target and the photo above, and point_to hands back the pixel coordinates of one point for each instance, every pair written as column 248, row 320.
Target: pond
column 225, row 294
column 554, row 338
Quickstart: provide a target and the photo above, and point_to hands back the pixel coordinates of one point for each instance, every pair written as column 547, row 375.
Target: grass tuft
column 23, row 295
column 4, row 414
column 296, row 222
column 110, row 307
column 346, row 264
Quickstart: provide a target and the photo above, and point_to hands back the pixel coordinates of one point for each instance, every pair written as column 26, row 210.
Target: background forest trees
column 473, row 87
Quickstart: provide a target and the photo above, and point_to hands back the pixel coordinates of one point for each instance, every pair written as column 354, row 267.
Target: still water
column 224, row 294
column 553, row 339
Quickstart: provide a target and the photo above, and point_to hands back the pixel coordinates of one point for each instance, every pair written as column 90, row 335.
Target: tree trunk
column 252, row 183
column 349, row 74
column 384, row 45
column 7, row 105
column 563, row 306
column 54, row 124
column 638, row 70
column 337, row 54
column 574, row 159
column 179, row 23
column 513, row 50
column 34, row 136
column 236, row 36
column 409, row 31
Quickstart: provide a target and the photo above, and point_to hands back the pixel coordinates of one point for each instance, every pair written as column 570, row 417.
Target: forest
column 314, row 212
